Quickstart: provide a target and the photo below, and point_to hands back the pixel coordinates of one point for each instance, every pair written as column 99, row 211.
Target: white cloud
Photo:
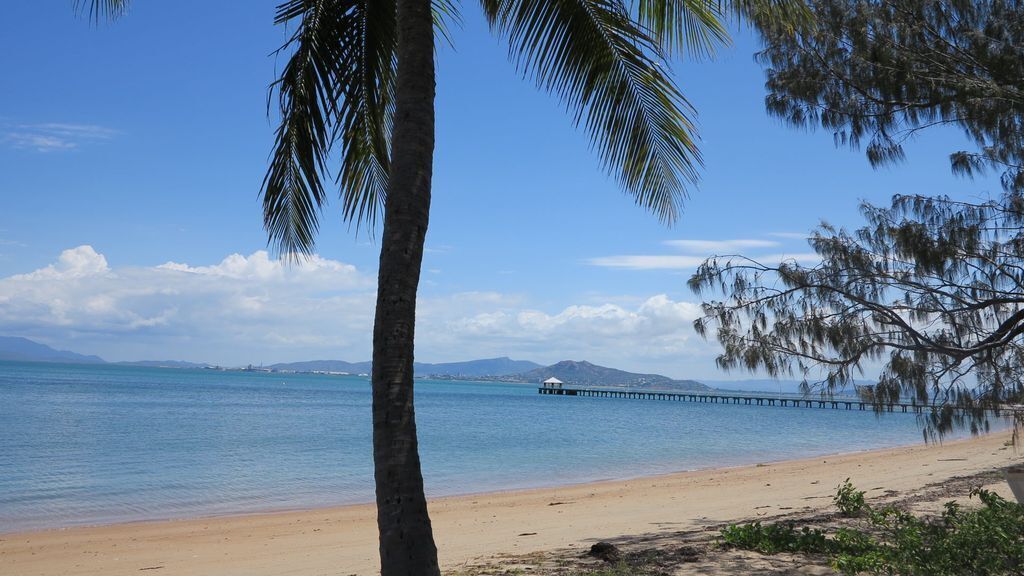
column 54, row 136
column 241, row 308
column 257, row 309
column 654, row 334
column 697, row 251
column 73, row 263
column 791, row 235
column 710, row 247
column 648, row 262
column 669, row 262
column 261, row 267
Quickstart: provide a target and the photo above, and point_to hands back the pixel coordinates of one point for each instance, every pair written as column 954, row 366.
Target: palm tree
column 359, row 83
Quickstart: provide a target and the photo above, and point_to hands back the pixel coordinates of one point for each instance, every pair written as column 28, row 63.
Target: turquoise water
column 102, row 444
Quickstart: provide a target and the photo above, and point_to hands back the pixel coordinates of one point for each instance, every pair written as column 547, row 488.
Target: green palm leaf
column 336, row 87
column 612, row 74
column 697, row 27
column 692, row 26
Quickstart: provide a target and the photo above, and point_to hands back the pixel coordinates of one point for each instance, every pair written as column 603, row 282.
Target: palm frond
column 698, row 27
column 96, row 10
column 695, row 27
column 446, row 13
column 612, row 74
column 368, row 109
column 337, row 87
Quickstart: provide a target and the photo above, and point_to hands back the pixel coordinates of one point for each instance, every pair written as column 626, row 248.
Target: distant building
column 552, row 383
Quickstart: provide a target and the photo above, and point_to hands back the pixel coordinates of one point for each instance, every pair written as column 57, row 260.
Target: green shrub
column 848, row 499
column 775, row 538
column 988, row 541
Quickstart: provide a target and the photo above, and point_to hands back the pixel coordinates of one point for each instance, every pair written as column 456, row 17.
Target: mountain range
column 17, row 349
column 471, row 369
column 584, row 373
column 578, row 373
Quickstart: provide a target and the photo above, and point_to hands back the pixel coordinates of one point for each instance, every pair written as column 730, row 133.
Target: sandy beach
column 485, row 528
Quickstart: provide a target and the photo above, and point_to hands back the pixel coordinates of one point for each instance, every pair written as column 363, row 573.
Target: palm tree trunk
column 406, row 540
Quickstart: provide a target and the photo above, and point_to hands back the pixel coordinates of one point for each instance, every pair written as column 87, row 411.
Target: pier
column 741, row 399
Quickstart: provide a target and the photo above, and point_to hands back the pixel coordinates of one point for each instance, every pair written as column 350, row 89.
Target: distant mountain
column 502, row 369
column 25, row 350
column 323, row 366
column 476, row 368
column 165, row 364
column 587, row 374
column 470, row 369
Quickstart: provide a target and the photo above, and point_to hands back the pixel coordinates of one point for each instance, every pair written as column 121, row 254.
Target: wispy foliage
column 606, row 59
column 612, row 75
column 876, row 72
column 337, row 88
column 931, row 291
column 697, row 28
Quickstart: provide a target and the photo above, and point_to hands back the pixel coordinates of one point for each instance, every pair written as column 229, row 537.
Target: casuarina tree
column 928, row 294
column 358, row 89
column 877, row 72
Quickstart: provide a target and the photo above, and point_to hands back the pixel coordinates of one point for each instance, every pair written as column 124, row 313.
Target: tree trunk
column 406, row 540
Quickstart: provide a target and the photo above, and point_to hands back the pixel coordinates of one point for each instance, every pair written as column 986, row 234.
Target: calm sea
column 102, row 444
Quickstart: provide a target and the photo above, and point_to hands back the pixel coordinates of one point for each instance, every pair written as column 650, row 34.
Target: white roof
column 552, row 380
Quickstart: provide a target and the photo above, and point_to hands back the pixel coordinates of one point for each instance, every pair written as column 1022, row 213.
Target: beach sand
column 486, row 528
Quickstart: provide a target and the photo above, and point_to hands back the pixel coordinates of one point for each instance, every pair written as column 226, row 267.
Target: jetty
column 793, row 401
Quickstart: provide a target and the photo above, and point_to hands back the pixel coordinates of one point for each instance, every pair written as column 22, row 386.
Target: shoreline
column 472, row 527
column 475, row 494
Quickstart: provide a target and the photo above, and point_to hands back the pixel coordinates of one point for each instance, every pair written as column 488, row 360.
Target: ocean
column 97, row 444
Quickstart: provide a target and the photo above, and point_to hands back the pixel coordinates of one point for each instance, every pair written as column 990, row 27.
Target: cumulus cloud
column 657, row 316
column 654, row 334
column 73, row 263
column 242, row 307
column 255, row 308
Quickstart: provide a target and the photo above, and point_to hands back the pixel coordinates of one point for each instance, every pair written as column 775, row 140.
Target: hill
column 470, row 369
column 164, row 364
column 323, row 366
column 477, row 368
column 502, row 369
column 25, row 350
column 586, row 374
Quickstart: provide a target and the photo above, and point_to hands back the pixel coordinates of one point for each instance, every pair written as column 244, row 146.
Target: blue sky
column 131, row 155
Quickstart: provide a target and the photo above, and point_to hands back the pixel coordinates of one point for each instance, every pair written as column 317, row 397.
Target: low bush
column 848, row 499
column 775, row 538
column 985, row 541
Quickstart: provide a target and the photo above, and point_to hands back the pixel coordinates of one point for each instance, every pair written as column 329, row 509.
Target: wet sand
column 474, row 528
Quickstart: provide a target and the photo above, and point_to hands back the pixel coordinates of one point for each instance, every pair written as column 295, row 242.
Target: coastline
column 484, row 527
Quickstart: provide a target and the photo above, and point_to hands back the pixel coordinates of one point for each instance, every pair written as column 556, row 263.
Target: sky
column 132, row 152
